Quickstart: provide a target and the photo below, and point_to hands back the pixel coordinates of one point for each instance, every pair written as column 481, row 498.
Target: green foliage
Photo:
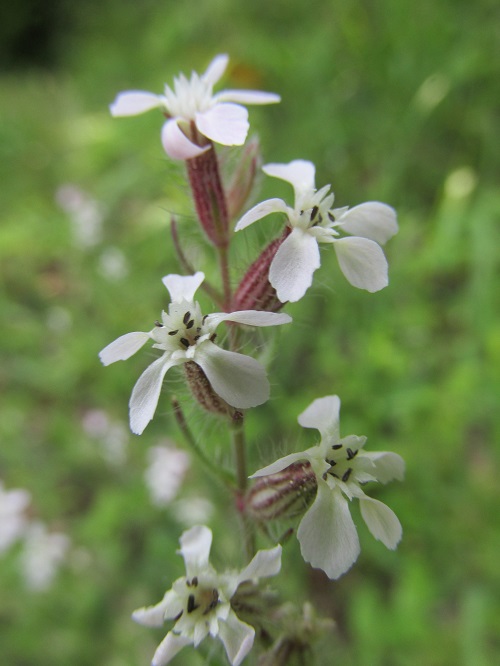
column 393, row 101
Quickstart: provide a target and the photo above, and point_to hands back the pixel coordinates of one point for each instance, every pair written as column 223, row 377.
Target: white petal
column 183, row 287
column 123, row 347
column 247, row 97
column 237, row 637
column 146, row 393
column 239, row 380
column 300, row 173
column 323, row 414
column 327, row 535
column 195, row 549
column 265, row 563
column 373, row 220
column 362, row 262
column 279, row 465
column 381, row 521
column 261, row 210
column 387, row 465
column 168, row 648
column 224, row 123
column 249, row 317
column 216, row 69
column 154, row 616
column 294, row 263
column 176, row 144
column 134, row 102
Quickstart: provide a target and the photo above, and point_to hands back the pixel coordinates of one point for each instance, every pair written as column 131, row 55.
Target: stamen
column 213, row 603
column 190, row 324
column 314, row 212
column 173, row 332
column 191, row 605
column 185, row 342
column 347, row 474
column 331, row 217
column 212, row 337
column 351, row 454
column 336, row 447
column 204, row 318
column 186, row 318
column 159, row 324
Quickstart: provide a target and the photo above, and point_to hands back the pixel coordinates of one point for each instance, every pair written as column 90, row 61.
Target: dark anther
column 331, row 217
column 197, row 337
column 336, row 447
column 159, row 324
column 193, row 582
column 314, row 212
column 351, row 454
column 192, row 606
column 212, row 337
column 190, row 324
column 331, row 462
column 198, row 329
column 324, row 476
column 347, row 474
column 173, row 332
column 178, row 616
column 213, row 603
column 185, row 342
column 204, row 318
column 186, row 318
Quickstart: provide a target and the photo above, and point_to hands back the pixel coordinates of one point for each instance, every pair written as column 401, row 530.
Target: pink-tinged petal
column 176, row 144
column 168, row 648
column 183, row 287
column 261, row 210
column 216, row 69
column 134, row 102
column 264, row 564
column 237, row 638
column 362, row 262
column 387, row 465
column 249, row 318
column 224, row 123
column 123, row 347
column 381, row 521
column 195, row 549
column 323, row 414
column 281, row 464
column 239, row 380
column 294, row 263
column 146, row 393
column 327, row 534
column 373, row 220
column 247, row 97
column 300, row 173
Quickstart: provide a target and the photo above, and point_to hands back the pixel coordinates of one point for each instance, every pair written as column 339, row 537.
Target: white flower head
column 43, row 554
column 192, row 109
column 200, row 602
column 165, row 473
column 327, row 534
column 312, row 221
column 13, row 520
column 183, row 335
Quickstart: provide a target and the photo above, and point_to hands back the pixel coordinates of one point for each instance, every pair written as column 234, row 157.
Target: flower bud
column 202, row 390
column 243, row 178
column 255, row 292
column 209, row 197
column 282, row 495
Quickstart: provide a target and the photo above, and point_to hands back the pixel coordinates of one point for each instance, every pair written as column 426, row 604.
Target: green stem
column 238, row 437
column 221, row 474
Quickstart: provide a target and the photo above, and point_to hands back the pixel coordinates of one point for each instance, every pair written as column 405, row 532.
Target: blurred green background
column 392, row 100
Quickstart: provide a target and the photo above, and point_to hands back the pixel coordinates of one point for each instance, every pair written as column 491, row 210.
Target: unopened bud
column 202, row 390
column 282, row 495
column 243, row 178
column 209, row 197
column 255, row 292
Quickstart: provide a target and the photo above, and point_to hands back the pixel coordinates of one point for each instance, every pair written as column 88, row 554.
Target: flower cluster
column 315, row 485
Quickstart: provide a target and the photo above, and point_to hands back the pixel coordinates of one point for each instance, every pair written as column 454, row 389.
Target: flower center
column 200, row 600
column 181, row 328
column 342, row 462
column 189, row 96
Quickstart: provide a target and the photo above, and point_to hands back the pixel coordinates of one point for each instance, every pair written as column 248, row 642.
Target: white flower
column 42, row 555
column 183, row 335
column 327, row 535
column 13, row 521
column 313, row 221
column 200, row 602
column 192, row 109
column 165, row 473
